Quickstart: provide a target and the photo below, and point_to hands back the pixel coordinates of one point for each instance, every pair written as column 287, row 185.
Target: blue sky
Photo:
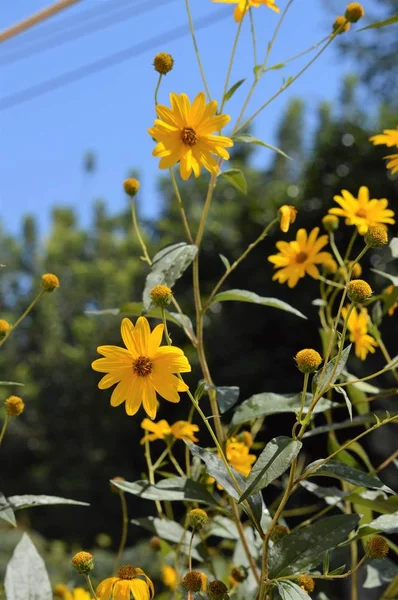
column 44, row 139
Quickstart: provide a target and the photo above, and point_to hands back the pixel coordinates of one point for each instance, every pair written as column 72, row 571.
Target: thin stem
column 386, row 462
column 303, row 397
column 3, row 429
column 90, row 585
column 331, row 283
column 21, row 318
column 298, row 55
column 151, row 475
column 157, row 88
column 227, row 273
column 350, row 245
column 385, row 352
column 244, row 542
column 138, row 233
column 175, row 463
column 197, row 53
column 125, row 521
column 254, row 39
column 231, row 60
column 159, row 461
column 206, row 208
column 181, row 207
column 337, row 253
column 285, row 86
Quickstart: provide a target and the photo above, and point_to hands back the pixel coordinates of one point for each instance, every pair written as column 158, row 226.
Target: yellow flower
column 182, row 430
column 362, row 212
column 244, row 5
column 127, row 580
column 300, row 257
column 79, row 594
column 308, row 360
column 169, row 577
column 358, row 327
column 143, row 369
column 158, row 430
column 14, row 406
column 389, row 137
column 287, row 215
column 387, row 292
column 184, row 133
column 306, row 583
column 238, row 456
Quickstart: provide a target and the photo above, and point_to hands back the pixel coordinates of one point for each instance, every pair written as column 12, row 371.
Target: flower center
column 361, row 212
column 126, row 572
column 188, row 136
column 301, row 257
column 142, row 366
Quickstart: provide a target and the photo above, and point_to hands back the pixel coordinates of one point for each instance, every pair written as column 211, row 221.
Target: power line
column 36, row 18
column 109, row 61
column 102, row 24
column 65, row 24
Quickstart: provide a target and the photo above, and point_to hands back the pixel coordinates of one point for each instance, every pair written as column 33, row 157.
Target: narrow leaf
column 246, row 296
column 379, row 572
column 359, row 420
column 226, row 395
column 288, row 590
column 338, row 470
column 6, row 512
column 271, row 464
column 327, row 379
column 236, row 178
column 379, row 24
column 170, row 531
column 233, row 89
column 29, row 501
column 225, row 262
column 26, row 576
column 11, row 383
column 172, row 489
column 342, row 391
column 392, row 278
column 247, row 138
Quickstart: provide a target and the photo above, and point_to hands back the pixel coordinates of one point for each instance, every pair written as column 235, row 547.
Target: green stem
column 151, row 475
column 303, row 396
column 22, row 317
column 3, row 429
column 157, row 89
column 197, row 53
column 125, row 521
column 253, row 33
column 227, row 273
column 337, row 253
column 90, row 585
column 181, row 207
column 138, row 233
column 175, row 463
column 161, row 458
column 350, row 245
column 232, row 57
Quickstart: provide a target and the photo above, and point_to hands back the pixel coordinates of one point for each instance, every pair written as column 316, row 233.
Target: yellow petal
column 104, row 590
column 121, row 591
column 134, row 396
column 166, row 386
column 149, row 398
column 155, row 340
column 141, row 334
column 139, row 589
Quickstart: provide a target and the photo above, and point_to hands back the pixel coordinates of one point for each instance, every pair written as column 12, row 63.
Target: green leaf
column 26, row 575
column 392, row 278
column 358, row 399
column 342, row 391
column 171, row 532
column 216, row 468
column 223, row 527
column 359, row 420
column 377, row 501
column 168, row 265
column 257, row 70
column 325, row 568
column 247, row 138
column 268, row 403
column 6, row 512
column 225, row 262
column 11, row 383
column 136, row 309
column 172, row 489
column 245, row 296
column 232, row 90
column 383, row 524
column 331, row 495
column 318, row 383
column 271, row 464
column 379, row 24
column 227, row 396
column 336, row 469
column 304, row 548
column 288, row 590
column 29, row 501
column 379, row 572
column 236, row 178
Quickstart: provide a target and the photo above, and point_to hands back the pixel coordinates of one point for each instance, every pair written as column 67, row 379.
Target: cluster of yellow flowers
column 180, row 430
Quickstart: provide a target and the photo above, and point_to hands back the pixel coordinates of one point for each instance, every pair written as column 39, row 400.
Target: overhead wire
column 43, row 46
column 102, row 64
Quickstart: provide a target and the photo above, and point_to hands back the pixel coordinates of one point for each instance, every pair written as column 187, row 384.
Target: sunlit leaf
column 6, row 512
column 324, row 376
column 170, row 531
column 288, row 590
column 359, row 420
column 379, row 572
column 236, row 178
column 26, row 576
column 379, row 24
column 245, row 296
column 247, row 138
column 29, row 501
column 338, row 470
column 172, row 489
column 233, row 89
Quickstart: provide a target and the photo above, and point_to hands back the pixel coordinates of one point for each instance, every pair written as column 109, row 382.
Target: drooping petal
column 147, row 579
column 139, row 589
column 104, row 590
column 121, row 591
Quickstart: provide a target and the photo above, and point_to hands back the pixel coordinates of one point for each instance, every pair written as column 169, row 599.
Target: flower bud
column 358, row 290
column 194, row 581
column 340, row 25
column 354, row 11
column 4, row 327
column 376, row 237
column 306, row 583
column 14, row 406
column 330, row 266
column 217, row 590
column 163, row 63
column 287, row 215
column 377, row 547
column 330, row 223
column 308, row 360
column 131, row 186
column 155, row 543
column 161, row 295
column 49, row 282
column 239, row 574
column 197, row 518
column 83, row 562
